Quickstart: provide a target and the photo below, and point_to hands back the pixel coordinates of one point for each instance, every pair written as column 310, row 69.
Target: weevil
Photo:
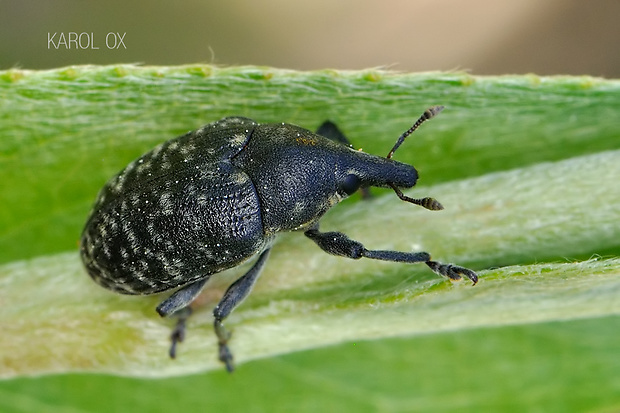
column 214, row 198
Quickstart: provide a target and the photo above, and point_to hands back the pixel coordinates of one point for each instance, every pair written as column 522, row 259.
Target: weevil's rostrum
column 216, row 197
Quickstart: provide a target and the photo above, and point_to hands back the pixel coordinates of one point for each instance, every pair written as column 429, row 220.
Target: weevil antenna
column 428, row 203
column 428, row 114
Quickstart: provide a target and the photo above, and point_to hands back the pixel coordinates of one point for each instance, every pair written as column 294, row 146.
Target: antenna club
column 432, row 112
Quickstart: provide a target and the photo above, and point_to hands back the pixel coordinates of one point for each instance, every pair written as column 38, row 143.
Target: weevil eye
column 350, row 184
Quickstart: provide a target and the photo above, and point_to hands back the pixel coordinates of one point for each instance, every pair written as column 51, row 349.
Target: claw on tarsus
column 223, row 335
column 453, row 272
column 177, row 336
column 178, row 333
column 226, row 357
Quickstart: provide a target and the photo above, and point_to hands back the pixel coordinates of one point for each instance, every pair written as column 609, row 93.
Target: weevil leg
column 235, row 294
column 337, row 243
column 181, row 298
column 178, row 332
column 454, row 272
column 329, row 130
column 177, row 305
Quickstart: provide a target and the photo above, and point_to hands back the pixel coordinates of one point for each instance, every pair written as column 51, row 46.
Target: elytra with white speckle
column 179, row 211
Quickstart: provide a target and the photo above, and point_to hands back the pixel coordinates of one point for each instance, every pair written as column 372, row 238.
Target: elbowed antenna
column 428, row 203
column 428, row 114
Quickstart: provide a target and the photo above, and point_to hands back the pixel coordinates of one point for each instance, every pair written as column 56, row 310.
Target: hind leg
column 177, row 305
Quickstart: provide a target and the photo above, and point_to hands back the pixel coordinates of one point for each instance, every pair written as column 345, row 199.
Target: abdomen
column 172, row 230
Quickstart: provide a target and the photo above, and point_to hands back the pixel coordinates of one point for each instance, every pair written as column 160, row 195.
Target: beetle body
column 212, row 199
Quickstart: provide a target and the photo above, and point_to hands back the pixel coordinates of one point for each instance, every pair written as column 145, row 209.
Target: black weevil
column 215, row 197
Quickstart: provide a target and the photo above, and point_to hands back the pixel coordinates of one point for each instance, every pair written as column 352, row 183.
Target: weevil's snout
column 363, row 171
column 381, row 172
column 407, row 181
column 398, row 174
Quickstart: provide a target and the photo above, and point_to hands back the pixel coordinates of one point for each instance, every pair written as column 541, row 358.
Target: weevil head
column 356, row 169
column 298, row 175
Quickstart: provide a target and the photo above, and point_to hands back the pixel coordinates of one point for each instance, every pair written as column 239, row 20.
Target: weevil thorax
column 300, row 175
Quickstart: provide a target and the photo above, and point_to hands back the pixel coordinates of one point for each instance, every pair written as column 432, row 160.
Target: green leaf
column 526, row 167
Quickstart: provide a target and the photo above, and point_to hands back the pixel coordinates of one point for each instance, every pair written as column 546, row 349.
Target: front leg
column 337, row 243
